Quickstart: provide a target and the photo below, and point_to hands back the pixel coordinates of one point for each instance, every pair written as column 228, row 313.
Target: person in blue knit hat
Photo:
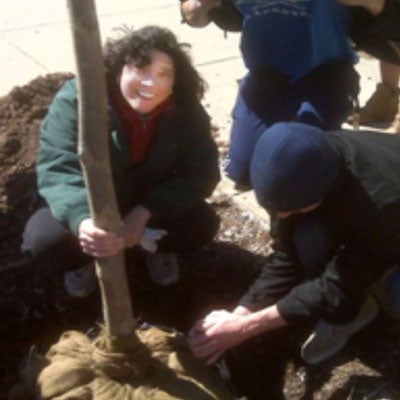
column 334, row 202
column 296, row 171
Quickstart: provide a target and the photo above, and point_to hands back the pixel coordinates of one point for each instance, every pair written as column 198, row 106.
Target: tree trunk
column 94, row 156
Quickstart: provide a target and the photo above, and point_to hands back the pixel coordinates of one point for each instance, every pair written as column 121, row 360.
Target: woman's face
column 146, row 87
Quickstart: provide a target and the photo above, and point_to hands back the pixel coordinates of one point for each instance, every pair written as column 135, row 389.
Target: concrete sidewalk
column 35, row 41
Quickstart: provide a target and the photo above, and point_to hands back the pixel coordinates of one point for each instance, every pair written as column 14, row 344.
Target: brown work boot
column 381, row 106
column 395, row 127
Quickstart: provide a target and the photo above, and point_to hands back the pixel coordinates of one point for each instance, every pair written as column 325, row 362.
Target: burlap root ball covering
column 159, row 368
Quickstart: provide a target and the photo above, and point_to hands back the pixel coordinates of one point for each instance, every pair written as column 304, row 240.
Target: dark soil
column 35, row 310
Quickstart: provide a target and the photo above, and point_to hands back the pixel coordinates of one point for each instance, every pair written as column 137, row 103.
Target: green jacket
column 180, row 172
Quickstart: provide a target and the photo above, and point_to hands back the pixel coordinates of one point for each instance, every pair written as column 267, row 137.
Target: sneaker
column 81, row 282
column 381, row 106
column 327, row 339
column 163, row 268
column 386, row 292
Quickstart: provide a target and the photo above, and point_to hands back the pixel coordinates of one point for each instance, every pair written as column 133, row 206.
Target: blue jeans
column 324, row 98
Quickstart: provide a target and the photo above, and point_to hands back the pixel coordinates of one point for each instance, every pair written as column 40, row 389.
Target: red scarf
column 140, row 129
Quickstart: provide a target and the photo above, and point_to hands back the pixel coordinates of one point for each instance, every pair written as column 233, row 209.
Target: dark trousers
column 51, row 245
column 324, row 98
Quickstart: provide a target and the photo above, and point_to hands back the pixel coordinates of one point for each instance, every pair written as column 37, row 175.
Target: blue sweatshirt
column 294, row 36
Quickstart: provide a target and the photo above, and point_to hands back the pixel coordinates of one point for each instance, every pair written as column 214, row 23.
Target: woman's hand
column 97, row 242
column 134, row 225
column 220, row 330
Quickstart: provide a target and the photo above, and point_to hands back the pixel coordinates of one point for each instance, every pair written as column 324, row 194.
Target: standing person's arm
column 195, row 12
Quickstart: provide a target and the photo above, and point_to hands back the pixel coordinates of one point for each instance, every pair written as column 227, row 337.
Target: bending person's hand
column 221, row 330
column 218, row 331
column 97, row 242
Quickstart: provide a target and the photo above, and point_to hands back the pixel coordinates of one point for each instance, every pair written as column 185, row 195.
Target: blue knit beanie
column 292, row 167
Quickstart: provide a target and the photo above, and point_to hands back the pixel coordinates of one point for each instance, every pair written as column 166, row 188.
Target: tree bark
column 94, row 157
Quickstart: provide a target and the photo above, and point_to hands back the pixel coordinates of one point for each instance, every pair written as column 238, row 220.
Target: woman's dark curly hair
column 135, row 46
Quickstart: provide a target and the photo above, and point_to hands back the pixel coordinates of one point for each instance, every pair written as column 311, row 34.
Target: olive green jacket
column 179, row 173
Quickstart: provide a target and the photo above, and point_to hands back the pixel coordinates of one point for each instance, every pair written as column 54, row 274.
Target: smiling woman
column 144, row 88
column 164, row 164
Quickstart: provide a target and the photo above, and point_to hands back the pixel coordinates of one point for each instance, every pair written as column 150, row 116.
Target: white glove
column 150, row 237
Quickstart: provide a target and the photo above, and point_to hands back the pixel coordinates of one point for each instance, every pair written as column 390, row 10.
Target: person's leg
column 245, row 130
column 327, row 95
column 326, row 339
column 395, row 126
column 55, row 250
column 386, row 291
column 315, row 248
column 263, row 99
column 391, row 77
column 187, row 234
column 390, row 74
column 384, row 102
column 50, row 245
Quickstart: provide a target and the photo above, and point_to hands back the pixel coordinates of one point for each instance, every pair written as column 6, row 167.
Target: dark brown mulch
column 35, row 310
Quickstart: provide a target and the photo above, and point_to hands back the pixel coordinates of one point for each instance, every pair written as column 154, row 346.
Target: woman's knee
column 192, row 231
column 43, row 234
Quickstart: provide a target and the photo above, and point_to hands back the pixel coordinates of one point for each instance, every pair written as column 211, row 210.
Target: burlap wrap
column 159, row 368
